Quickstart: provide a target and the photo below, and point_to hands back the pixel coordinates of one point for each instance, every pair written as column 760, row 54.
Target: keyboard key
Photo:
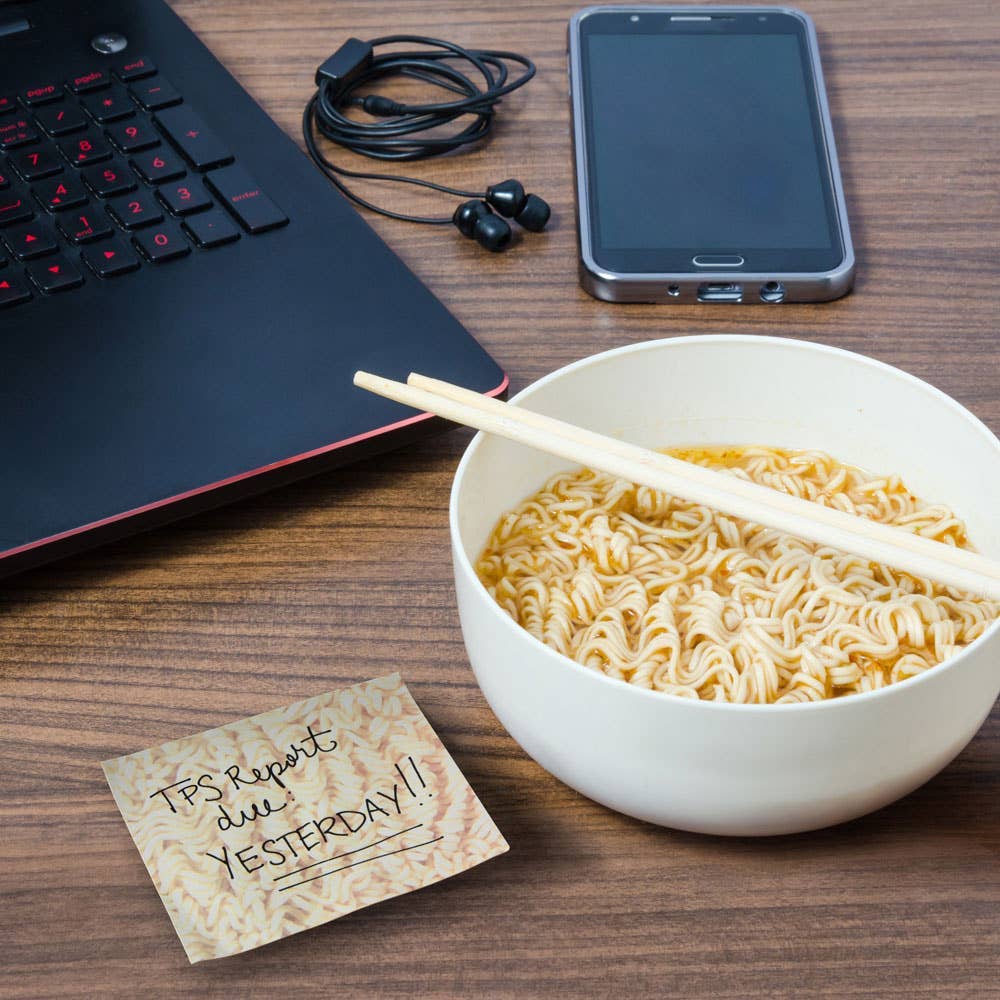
column 54, row 274
column 86, row 226
column 110, row 259
column 185, row 197
column 162, row 243
column 60, row 194
column 109, row 105
column 61, row 119
column 16, row 132
column 42, row 94
column 134, row 69
column 94, row 80
column 130, row 137
column 241, row 195
column 30, row 241
column 4, row 180
column 7, row 103
column 34, row 164
column 133, row 211
column 211, row 229
column 14, row 209
column 155, row 92
column 158, row 165
column 109, row 179
column 85, row 149
column 188, row 132
column 12, row 292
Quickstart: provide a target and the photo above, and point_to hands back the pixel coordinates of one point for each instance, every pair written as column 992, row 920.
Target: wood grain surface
column 347, row 576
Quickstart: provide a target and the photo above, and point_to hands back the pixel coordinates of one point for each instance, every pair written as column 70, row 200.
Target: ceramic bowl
column 720, row 768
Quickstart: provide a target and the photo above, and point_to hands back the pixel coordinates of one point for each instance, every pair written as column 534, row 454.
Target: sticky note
column 289, row 819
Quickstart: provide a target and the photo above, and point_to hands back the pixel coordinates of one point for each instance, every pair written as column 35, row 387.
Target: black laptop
column 183, row 297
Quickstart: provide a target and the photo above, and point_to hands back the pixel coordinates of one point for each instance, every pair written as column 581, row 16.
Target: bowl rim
column 464, row 565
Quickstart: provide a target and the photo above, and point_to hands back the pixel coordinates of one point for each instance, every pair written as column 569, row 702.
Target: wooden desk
column 348, row 576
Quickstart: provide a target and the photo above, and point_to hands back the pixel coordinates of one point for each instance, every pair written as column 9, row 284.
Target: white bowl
column 719, row 768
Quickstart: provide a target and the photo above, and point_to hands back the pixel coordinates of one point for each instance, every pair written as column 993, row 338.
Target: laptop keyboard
column 108, row 172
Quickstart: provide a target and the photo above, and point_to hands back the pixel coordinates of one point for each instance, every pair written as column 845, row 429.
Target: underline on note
column 363, row 861
column 326, row 861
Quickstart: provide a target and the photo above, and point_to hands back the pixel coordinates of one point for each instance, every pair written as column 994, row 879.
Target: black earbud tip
column 534, row 214
column 492, row 232
column 468, row 214
column 507, row 197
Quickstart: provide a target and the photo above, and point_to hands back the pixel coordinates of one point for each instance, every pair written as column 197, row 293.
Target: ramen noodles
column 680, row 598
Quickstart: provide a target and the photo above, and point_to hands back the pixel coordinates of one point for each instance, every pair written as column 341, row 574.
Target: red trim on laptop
column 178, row 497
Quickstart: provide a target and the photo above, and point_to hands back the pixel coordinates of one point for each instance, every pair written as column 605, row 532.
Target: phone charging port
column 720, row 292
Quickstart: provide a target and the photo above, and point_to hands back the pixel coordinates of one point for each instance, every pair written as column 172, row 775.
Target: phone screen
column 704, row 137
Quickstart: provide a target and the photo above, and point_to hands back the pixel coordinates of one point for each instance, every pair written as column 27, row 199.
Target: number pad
column 177, row 195
column 133, row 211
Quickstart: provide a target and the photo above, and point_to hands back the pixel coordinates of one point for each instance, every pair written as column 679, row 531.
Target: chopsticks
column 824, row 525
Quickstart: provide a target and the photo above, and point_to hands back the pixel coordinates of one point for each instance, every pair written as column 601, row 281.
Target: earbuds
column 476, row 220
column 399, row 131
column 509, row 199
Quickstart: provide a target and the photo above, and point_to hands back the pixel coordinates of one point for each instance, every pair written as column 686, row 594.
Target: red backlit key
column 133, row 211
column 61, row 119
column 189, row 133
column 13, row 209
column 60, row 194
column 12, row 291
column 30, row 241
column 85, row 82
column 211, row 229
column 108, row 179
column 16, row 132
column 85, row 227
column 34, row 164
column 4, row 183
column 158, row 165
column 54, row 274
column 109, row 105
column 132, row 136
column 85, row 149
column 162, row 243
column 134, row 69
column 184, row 197
column 110, row 259
column 241, row 195
column 7, row 103
column 41, row 94
column 155, row 92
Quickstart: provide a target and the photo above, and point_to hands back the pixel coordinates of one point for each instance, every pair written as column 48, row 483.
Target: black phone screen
column 704, row 136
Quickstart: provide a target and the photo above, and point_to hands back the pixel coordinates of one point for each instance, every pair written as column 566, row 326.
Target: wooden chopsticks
column 870, row 539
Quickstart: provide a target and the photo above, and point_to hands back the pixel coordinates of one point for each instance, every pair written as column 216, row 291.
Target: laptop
column 183, row 297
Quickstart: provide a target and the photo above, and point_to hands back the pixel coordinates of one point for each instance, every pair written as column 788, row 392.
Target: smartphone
column 706, row 169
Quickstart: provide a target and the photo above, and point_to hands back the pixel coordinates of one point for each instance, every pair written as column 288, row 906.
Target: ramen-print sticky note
column 286, row 820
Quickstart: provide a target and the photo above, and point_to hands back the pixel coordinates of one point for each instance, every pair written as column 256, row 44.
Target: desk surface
column 345, row 576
